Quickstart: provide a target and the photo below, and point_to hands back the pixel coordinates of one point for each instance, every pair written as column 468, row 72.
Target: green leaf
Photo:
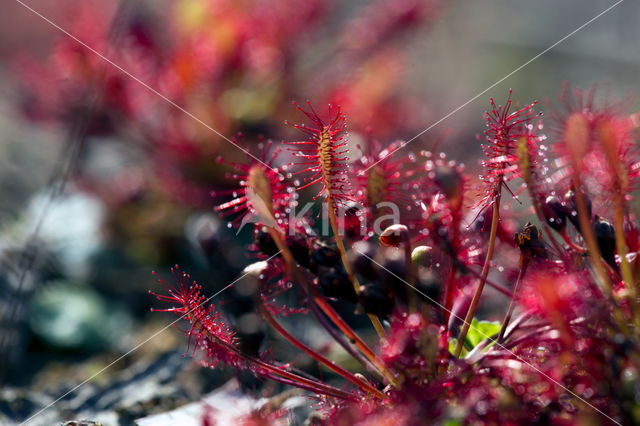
column 452, row 347
column 481, row 330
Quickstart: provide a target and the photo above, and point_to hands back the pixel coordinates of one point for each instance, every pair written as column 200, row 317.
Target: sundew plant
column 503, row 291
column 565, row 352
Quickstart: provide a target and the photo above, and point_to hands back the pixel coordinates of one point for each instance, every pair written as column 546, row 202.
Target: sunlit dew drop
column 296, row 182
column 501, row 268
column 234, row 194
column 370, row 233
column 229, row 225
column 261, row 276
column 574, row 213
column 437, row 265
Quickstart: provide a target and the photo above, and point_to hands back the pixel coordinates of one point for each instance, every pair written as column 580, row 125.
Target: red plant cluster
column 130, row 80
column 565, row 347
column 566, row 350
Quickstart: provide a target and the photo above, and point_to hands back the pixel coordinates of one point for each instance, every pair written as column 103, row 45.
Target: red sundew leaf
column 325, row 155
column 382, row 176
column 504, row 129
column 597, row 140
column 262, row 196
column 209, row 332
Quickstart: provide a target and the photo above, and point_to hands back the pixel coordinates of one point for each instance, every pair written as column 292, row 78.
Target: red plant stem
column 524, row 263
column 322, row 319
column 519, row 323
column 411, row 271
column 546, row 229
column 451, row 282
column 497, row 287
column 362, row 384
column 534, row 330
column 345, row 260
column 621, row 248
column 535, row 201
column 300, row 381
column 587, row 232
column 448, row 293
column 571, row 244
column 328, row 310
column 581, row 250
column 344, row 327
column 295, row 379
column 594, row 251
column 485, row 270
column 305, row 387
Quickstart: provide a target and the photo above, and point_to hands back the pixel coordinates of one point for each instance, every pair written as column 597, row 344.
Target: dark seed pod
column 242, row 296
column 429, row 286
column 352, row 223
column 323, row 253
column 296, row 243
column 571, row 204
column 394, row 236
column 555, row 213
column 376, row 300
column 394, row 274
column 530, row 243
column 298, row 246
column 606, row 237
column 451, row 184
column 334, row 282
column 250, row 333
column 264, row 242
column 360, row 258
column 204, row 233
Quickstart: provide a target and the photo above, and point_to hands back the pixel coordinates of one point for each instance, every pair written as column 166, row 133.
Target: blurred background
column 103, row 181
